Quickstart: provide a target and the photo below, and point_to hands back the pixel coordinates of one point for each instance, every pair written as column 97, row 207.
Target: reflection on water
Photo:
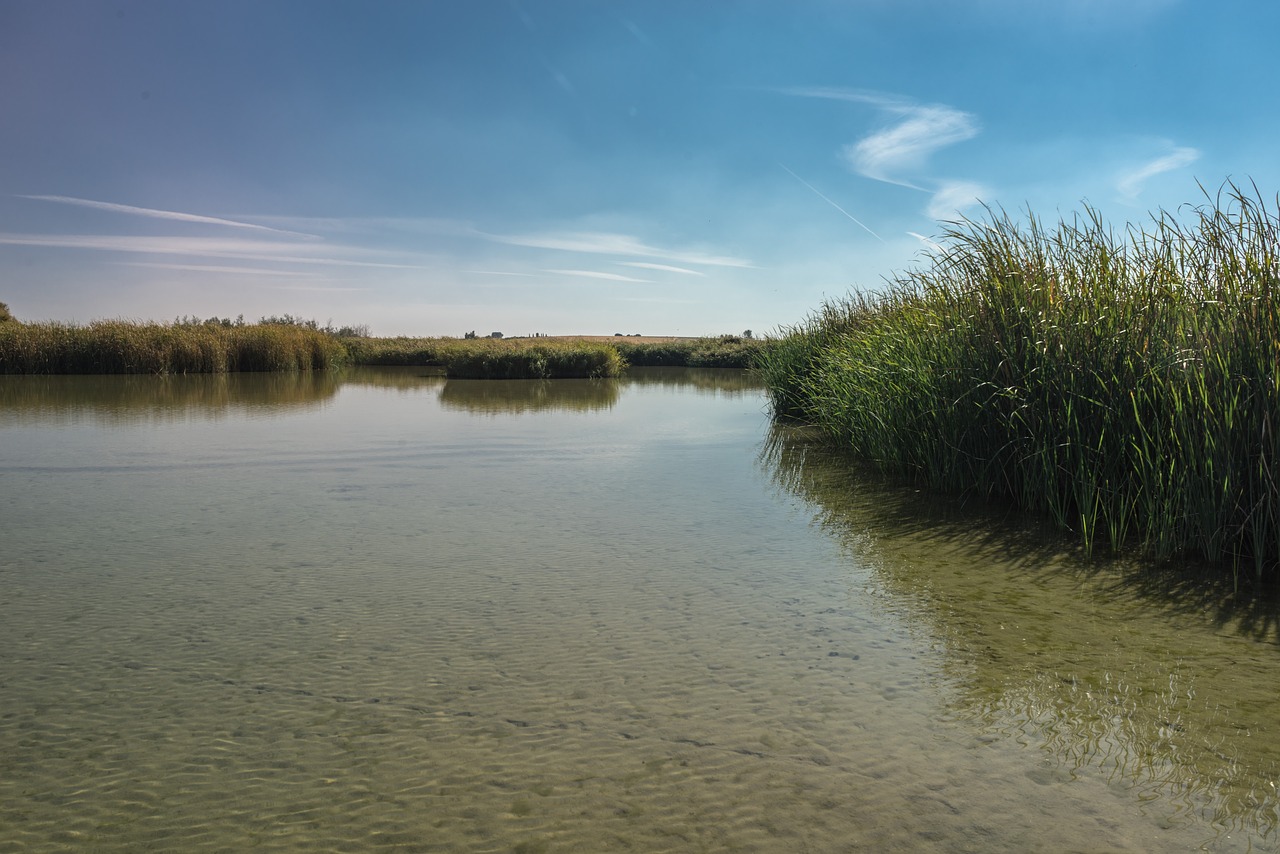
column 1153, row 675
column 511, row 397
column 718, row 381
column 375, row 608
column 57, row 398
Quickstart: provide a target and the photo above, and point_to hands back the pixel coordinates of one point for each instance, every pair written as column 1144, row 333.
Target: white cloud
column 885, row 100
column 206, row 247
column 375, row 225
column 498, row 273
column 152, row 213
column 932, row 245
column 595, row 274
column 666, row 268
column 211, row 268
column 901, row 150
column 953, row 197
column 315, row 288
column 1130, row 186
column 606, row 243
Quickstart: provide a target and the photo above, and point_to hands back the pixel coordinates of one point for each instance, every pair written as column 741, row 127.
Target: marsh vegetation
column 1125, row 383
column 219, row 345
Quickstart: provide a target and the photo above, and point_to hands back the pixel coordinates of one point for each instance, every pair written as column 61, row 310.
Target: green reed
column 488, row 358
column 364, row 350
column 1125, row 383
column 725, row 351
column 125, row 347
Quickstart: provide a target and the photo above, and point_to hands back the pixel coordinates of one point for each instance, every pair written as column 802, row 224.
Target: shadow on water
column 1160, row 677
column 803, row 463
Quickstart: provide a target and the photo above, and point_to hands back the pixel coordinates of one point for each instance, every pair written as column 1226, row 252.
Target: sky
column 587, row 166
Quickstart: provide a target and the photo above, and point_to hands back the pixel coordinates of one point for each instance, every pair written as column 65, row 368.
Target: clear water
column 381, row 610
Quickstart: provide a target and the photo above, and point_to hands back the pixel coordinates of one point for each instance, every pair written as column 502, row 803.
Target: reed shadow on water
column 851, row 494
column 1157, row 675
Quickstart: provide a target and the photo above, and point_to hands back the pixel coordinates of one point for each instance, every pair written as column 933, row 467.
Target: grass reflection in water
column 1160, row 677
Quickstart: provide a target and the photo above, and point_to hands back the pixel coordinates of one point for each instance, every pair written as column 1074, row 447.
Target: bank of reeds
column 1126, row 383
column 725, row 351
column 488, row 358
column 364, row 350
column 124, row 347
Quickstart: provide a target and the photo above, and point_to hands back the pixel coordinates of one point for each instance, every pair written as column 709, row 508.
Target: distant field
column 635, row 339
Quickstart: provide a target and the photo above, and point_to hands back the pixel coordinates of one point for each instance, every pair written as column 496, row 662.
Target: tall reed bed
column 488, row 358
column 726, row 351
column 123, row 347
column 364, row 350
column 1126, row 383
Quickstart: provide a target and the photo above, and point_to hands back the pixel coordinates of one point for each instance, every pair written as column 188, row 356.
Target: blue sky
column 565, row 166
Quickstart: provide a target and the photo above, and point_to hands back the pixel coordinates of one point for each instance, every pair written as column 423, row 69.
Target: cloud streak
column 833, row 204
column 665, row 268
column 606, row 243
column 213, row 268
column 903, row 147
column 1131, row 185
column 153, row 213
column 201, row 247
column 952, row 197
column 596, row 274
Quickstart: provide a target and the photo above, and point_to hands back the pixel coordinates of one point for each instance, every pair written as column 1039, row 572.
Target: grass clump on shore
column 1127, row 384
column 725, row 351
column 364, row 350
column 529, row 359
column 125, row 347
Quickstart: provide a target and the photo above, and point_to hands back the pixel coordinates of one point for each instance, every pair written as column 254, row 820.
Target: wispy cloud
column 316, row 288
column 606, row 243
column 212, row 268
column 952, row 198
column 153, row 213
column 885, row 100
column 596, row 274
column 665, row 268
column 639, row 34
column 900, row 151
column 378, row 225
column 498, row 273
column 933, row 245
column 206, row 247
column 1130, row 186
column 903, row 148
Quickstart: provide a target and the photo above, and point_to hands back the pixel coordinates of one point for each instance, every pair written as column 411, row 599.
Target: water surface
column 380, row 609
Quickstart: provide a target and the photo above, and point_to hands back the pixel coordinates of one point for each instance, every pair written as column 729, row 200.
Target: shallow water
column 380, row 609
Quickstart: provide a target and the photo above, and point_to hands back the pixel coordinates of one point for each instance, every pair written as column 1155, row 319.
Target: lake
column 378, row 609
